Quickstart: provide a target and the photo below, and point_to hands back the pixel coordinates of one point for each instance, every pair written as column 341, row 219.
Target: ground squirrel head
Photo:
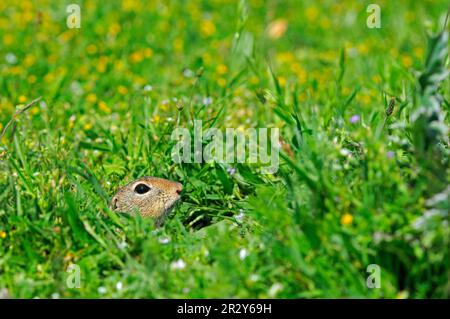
column 150, row 196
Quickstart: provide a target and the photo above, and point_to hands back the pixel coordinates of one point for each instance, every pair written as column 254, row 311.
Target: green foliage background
column 364, row 171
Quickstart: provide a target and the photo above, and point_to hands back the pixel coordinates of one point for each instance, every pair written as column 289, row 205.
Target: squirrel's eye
column 141, row 188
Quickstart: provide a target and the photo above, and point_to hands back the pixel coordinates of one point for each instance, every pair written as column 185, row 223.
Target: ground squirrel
column 150, row 196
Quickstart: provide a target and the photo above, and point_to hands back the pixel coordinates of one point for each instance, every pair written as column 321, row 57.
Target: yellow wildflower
column 254, row 80
column 2, row 234
column 303, row 97
column 221, row 69
column 285, row 57
column 178, row 45
column 34, row 111
column 91, row 98
column 130, row 5
column 27, row 16
column 88, row 126
column 406, row 61
column 66, row 36
column 363, row 48
column 22, row 99
column 207, row 28
column 102, row 64
column 282, row 80
column 114, row 28
column 29, row 60
column 136, row 57
column 8, row 39
column 91, row 49
column 325, row 23
column 300, row 72
column 365, row 99
column 346, row 219
column 102, row 106
column 221, row 82
column 311, row 13
column 156, row 118
column 16, row 70
column 393, row 52
column 418, row 52
column 122, row 90
column 207, row 58
column 148, row 52
column 376, row 78
column 83, row 70
column 163, row 26
column 140, row 80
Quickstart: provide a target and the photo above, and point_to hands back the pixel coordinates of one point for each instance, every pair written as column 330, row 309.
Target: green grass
column 357, row 185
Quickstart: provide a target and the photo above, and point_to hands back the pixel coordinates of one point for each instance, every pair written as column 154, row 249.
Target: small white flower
column 188, row 73
column 240, row 216
column 148, row 88
column 377, row 237
column 243, row 253
column 207, row 100
column 101, row 290
column 179, row 264
column 122, row 245
column 186, row 290
column 231, row 171
column 119, row 285
column 254, row 277
column 276, row 287
column 11, row 58
column 55, row 295
column 76, row 88
column 164, row 240
column 345, row 152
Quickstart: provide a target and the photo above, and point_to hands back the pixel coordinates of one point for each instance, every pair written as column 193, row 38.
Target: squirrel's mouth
column 172, row 203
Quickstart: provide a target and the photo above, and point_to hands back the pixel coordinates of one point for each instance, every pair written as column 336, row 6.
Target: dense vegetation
column 364, row 162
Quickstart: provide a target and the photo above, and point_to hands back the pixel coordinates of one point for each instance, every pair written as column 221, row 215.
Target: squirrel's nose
column 179, row 188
